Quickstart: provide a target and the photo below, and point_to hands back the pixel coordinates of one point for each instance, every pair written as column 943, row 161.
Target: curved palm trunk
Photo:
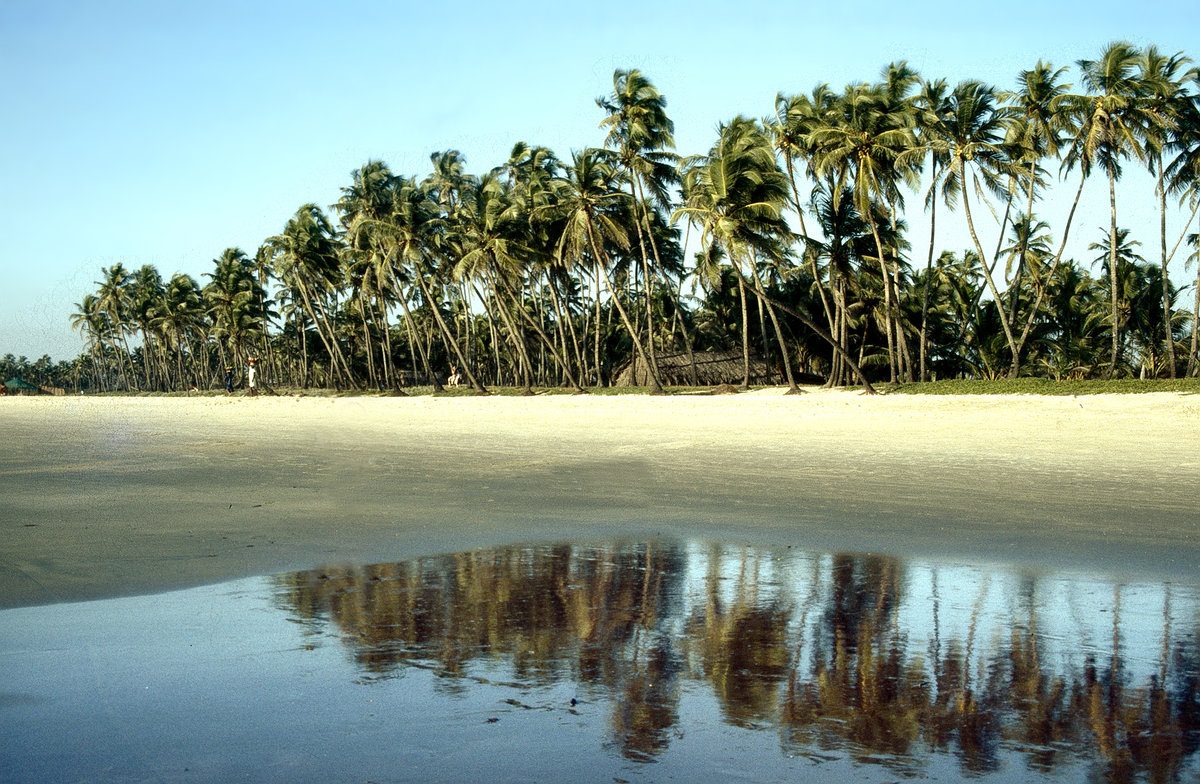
column 890, row 319
column 761, row 293
column 516, row 337
column 545, row 340
column 652, row 354
column 867, row 388
column 923, row 348
column 745, row 332
column 563, row 314
column 1193, row 369
column 1112, row 274
column 448, row 338
column 418, row 348
column 1168, row 337
column 987, row 270
column 596, row 344
column 308, row 307
column 791, row 173
column 655, row 386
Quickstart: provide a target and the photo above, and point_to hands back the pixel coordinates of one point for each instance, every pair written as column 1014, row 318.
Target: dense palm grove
column 550, row 271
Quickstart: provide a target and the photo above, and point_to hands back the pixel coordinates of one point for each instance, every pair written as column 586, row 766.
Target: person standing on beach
column 251, row 373
column 229, row 379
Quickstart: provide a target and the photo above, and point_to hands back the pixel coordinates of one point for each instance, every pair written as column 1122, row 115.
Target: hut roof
column 712, row 368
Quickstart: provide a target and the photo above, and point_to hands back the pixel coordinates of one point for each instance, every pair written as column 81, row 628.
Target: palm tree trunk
column 545, row 340
column 1193, row 368
column 447, row 337
column 599, row 381
column 1168, row 336
column 791, row 173
column 417, row 346
column 923, row 349
column 867, row 388
column 764, row 300
column 655, row 386
column 635, row 188
column 516, row 337
column 745, row 332
column 987, row 270
column 1112, row 273
column 889, row 319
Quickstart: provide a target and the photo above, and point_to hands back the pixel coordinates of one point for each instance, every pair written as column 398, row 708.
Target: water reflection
column 886, row 662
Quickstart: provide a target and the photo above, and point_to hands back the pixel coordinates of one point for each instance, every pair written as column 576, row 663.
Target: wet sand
column 115, row 496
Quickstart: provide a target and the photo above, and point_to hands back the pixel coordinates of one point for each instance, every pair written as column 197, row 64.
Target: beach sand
column 109, row 496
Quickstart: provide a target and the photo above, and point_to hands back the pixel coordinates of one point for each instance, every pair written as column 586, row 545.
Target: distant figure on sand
column 455, row 379
column 251, row 373
column 229, row 379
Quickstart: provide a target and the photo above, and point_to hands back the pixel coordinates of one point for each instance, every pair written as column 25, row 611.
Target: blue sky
column 164, row 132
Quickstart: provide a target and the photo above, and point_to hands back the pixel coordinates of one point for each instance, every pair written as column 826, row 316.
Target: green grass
column 1045, row 386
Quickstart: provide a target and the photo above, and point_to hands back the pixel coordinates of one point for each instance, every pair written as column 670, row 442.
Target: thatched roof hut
column 19, row 386
column 712, row 368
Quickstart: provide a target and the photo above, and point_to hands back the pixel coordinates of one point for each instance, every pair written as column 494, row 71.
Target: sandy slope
column 104, row 496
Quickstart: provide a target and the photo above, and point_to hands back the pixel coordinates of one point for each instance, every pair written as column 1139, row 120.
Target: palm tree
column 590, row 204
column 933, row 102
column 114, row 301
column 971, row 139
column 736, row 196
column 1164, row 83
column 869, row 145
column 91, row 321
column 1123, row 278
column 306, row 258
column 180, row 318
column 364, row 204
column 439, row 243
column 235, row 301
column 404, row 235
column 641, row 134
column 791, row 132
column 145, row 296
column 1114, row 121
column 1038, row 126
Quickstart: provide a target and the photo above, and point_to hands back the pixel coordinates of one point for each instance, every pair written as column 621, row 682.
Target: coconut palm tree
column 364, row 204
column 1038, row 125
column 736, row 196
column 145, row 295
column 234, row 300
column 791, row 130
column 934, row 110
column 1162, row 78
column 113, row 298
column 1114, row 120
column 306, row 258
column 590, row 205
column 1129, row 279
column 91, row 321
column 180, row 319
column 971, row 139
column 642, row 135
column 868, row 144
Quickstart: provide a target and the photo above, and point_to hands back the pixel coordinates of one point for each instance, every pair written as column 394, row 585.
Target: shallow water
column 629, row 661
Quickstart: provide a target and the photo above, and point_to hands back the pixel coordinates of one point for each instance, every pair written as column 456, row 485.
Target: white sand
column 104, row 496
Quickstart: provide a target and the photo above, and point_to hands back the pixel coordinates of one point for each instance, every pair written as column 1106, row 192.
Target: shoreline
column 111, row 496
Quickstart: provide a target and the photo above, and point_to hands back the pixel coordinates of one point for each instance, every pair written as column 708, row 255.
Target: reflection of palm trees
column 837, row 668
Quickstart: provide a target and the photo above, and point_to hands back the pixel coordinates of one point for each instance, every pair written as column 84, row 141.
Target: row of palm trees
column 546, row 271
